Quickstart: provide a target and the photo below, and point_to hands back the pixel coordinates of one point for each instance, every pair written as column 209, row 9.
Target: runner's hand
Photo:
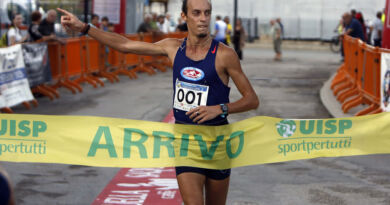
column 204, row 113
column 70, row 22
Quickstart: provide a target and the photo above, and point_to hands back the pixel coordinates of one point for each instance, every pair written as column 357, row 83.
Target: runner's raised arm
column 116, row 41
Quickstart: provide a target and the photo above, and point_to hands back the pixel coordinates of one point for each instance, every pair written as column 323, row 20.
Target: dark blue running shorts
column 209, row 173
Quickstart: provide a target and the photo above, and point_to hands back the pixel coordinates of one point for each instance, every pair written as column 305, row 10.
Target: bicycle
column 335, row 44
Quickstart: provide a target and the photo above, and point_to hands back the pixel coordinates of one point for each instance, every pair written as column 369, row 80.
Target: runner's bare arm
column 116, row 41
column 249, row 98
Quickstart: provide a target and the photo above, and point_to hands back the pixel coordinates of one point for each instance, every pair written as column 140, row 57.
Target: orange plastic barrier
column 357, row 81
column 57, row 66
column 122, row 61
column 84, row 60
column 72, row 61
column 96, row 58
column 352, row 69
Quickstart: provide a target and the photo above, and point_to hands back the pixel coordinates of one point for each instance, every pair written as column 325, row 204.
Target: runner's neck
column 198, row 43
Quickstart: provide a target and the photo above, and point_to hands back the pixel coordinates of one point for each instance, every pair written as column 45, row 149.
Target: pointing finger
column 64, row 12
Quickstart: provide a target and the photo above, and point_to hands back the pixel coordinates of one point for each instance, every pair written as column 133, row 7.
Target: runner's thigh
column 191, row 187
column 216, row 191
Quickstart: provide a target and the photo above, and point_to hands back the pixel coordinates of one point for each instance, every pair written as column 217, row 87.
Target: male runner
column 201, row 71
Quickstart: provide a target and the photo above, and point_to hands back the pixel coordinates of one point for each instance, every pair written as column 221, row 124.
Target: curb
column 330, row 102
column 332, row 105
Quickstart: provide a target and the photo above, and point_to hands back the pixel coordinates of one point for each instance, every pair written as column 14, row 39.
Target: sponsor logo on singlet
column 191, row 73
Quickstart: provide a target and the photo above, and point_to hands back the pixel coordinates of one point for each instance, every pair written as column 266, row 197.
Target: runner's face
column 198, row 17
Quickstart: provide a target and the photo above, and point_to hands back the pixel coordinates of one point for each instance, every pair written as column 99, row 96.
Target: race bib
column 188, row 95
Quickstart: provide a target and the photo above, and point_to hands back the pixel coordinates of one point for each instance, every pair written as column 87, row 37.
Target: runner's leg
column 191, row 187
column 216, row 191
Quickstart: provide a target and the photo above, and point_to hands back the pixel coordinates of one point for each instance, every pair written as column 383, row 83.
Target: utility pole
column 86, row 11
column 235, row 15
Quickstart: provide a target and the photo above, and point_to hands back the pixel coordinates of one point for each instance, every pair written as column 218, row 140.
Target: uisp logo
column 286, row 128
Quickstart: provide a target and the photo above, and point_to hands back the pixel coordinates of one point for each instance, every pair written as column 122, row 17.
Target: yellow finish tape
column 109, row 142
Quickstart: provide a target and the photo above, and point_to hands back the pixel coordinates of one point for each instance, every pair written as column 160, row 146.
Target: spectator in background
column 340, row 27
column 360, row 18
column 239, row 38
column 229, row 30
column 182, row 26
column 369, row 26
column 162, row 25
column 220, row 30
column 104, row 23
column 33, row 29
column 279, row 21
column 95, row 20
column 111, row 27
column 145, row 27
column 384, row 16
column 14, row 34
column 353, row 13
column 353, row 27
column 170, row 23
column 276, row 33
column 153, row 22
column 46, row 27
column 377, row 30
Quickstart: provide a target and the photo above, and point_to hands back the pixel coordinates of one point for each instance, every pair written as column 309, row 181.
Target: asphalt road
column 288, row 89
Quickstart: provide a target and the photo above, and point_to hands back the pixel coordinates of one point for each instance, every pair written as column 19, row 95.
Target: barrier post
column 357, row 70
column 63, row 80
column 84, row 77
column 99, row 55
column 142, row 67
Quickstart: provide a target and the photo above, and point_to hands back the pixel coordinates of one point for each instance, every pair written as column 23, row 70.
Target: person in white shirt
column 162, row 24
column 14, row 34
column 220, row 30
column 170, row 23
column 377, row 29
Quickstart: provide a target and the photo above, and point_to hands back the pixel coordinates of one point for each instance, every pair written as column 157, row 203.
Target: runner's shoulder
column 226, row 53
column 171, row 42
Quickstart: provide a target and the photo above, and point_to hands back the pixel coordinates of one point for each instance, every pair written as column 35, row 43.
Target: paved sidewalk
column 266, row 43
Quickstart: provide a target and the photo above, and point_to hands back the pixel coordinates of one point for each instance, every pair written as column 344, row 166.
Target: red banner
column 386, row 30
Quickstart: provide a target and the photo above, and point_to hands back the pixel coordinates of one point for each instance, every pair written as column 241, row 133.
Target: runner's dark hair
column 184, row 7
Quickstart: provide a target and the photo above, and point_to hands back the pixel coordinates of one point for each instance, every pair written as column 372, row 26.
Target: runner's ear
column 184, row 16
